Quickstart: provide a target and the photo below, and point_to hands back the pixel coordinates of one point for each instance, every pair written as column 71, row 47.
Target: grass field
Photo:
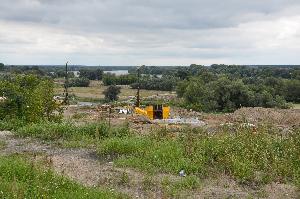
column 96, row 89
column 296, row 106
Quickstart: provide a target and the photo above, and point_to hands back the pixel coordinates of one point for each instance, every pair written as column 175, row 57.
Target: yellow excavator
column 155, row 111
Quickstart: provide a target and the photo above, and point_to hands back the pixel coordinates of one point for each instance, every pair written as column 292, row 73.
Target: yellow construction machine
column 152, row 112
column 157, row 111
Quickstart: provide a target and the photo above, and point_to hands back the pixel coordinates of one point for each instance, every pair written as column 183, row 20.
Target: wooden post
column 66, row 100
column 138, row 89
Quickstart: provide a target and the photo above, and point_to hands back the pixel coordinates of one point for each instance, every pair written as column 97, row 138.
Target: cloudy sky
column 150, row 32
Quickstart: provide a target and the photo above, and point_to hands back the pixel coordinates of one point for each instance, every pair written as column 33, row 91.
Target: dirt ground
column 283, row 119
column 277, row 117
column 85, row 167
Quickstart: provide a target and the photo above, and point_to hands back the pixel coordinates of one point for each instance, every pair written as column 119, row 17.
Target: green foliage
column 91, row 74
column 123, row 146
column 11, row 124
column 146, row 153
column 111, row 93
column 228, row 87
column 153, row 70
column 28, row 98
column 20, row 179
column 258, row 158
column 53, row 131
column 177, row 189
column 79, row 82
column 112, row 79
column 292, row 90
column 1, row 66
column 165, row 83
column 225, row 94
column 70, row 135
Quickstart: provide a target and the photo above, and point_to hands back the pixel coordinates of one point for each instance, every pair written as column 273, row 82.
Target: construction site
column 141, row 143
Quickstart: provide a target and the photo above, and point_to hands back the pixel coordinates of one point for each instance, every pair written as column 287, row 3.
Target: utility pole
column 138, row 89
column 66, row 100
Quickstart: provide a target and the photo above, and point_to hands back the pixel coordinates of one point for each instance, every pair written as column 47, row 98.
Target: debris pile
column 178, row 120
column 278, row 117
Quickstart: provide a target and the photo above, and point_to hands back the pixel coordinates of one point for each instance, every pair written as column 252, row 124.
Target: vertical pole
column 109, row 113
column 138, row 89
column 66, row 101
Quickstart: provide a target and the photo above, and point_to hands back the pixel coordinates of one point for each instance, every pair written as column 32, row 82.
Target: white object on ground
column 182, row 173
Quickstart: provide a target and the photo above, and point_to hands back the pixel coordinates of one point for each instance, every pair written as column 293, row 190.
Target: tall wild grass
column 250, row 157
column 21, row 179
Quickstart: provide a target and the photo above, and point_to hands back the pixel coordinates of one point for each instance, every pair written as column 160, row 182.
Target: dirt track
column 85, row 167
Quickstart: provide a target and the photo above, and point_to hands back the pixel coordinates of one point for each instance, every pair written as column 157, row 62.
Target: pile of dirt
column 257, row 115
column 184, row 113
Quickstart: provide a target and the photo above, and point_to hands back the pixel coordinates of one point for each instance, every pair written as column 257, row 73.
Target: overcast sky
column 150, row 32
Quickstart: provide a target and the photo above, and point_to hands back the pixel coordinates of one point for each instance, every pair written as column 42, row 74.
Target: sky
column 150, row 32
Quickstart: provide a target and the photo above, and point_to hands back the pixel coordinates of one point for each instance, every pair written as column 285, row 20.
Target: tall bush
column 29, row 98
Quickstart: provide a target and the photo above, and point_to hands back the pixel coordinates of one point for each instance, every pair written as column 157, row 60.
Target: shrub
column 79, row 82
column 111, row 93
column 28, row 98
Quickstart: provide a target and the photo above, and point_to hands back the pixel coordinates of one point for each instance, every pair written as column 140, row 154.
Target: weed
column 11, row 124
column 174, row 188
column 69, row 135
column 66, row 130
column 250, row 158
column 124, row 180
column 148, row 183
column 122, row 146
column 20, row 179
column 78, row 116
column 2, row 144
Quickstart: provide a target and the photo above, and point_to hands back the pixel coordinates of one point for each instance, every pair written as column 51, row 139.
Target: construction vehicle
column 157, row 111
column 154, row 111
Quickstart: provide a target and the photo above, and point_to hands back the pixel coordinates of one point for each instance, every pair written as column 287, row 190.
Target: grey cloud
column 139, row 14
column 171, row 29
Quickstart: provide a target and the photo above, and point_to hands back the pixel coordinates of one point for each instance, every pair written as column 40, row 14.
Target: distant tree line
column 165, row 83
column 79, row 82
column 112, row 79
column 148, row 82
column 226, row 88
column 217, row 87
column 90, row 74
column 2, row 66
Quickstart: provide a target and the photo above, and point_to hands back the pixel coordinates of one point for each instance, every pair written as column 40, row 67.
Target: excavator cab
column 158, row 111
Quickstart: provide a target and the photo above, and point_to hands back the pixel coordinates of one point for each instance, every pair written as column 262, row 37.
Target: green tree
column 111, row 93
column 91, row 74
column 28, row 98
